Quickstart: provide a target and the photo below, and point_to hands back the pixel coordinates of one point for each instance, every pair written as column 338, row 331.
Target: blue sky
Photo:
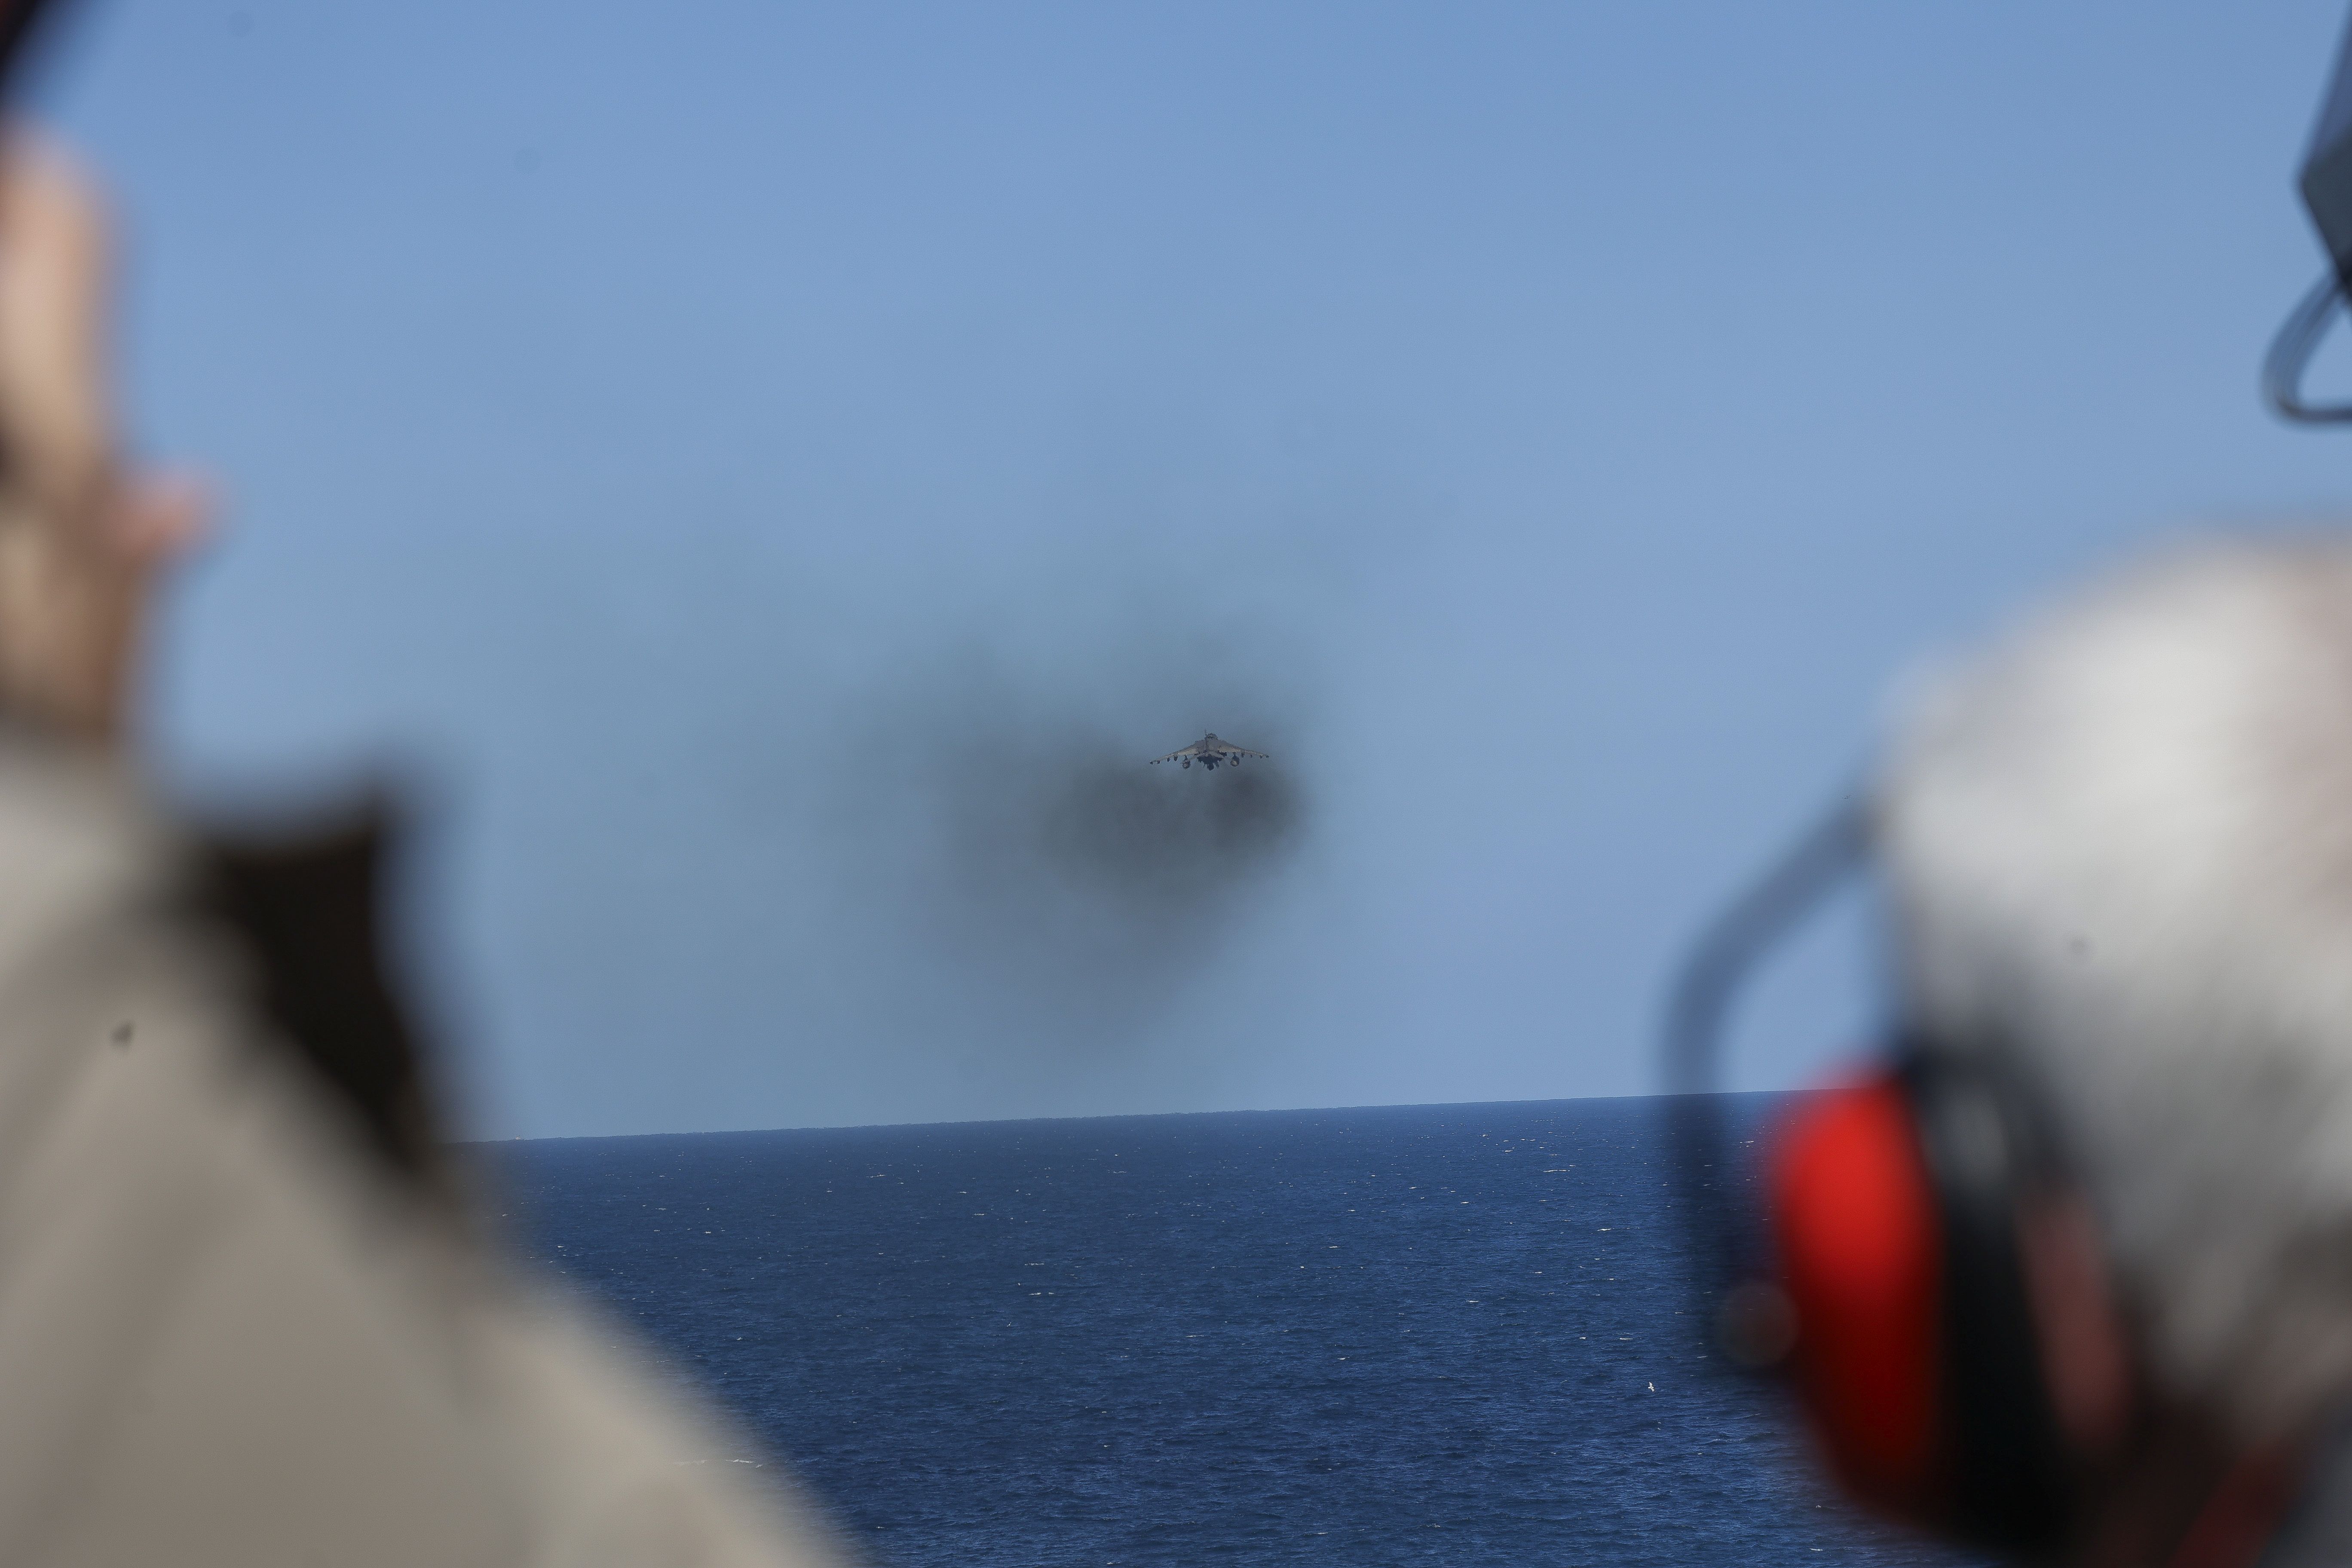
column 743, row 461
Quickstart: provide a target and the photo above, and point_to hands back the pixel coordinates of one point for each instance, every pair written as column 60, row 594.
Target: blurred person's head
column 2118, row 852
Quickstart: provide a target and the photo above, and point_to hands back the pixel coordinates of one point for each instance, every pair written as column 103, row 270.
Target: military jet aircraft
column 1208, row 750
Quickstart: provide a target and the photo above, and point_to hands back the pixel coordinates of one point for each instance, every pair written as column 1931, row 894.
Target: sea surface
column 1439, row 1335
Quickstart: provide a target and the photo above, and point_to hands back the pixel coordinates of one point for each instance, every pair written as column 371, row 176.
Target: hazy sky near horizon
column 774, row 473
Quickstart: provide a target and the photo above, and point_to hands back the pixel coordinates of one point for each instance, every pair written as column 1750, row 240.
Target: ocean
column 1435, row 1334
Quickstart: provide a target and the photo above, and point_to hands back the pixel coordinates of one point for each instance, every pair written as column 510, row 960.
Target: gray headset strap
column 2291, row 351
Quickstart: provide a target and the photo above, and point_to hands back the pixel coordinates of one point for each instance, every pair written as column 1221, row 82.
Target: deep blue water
column 1432, row 1334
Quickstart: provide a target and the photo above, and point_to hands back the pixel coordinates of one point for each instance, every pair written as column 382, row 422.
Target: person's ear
column 2085, row 1355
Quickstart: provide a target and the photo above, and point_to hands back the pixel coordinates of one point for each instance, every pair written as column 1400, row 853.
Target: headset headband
column 1836, row 847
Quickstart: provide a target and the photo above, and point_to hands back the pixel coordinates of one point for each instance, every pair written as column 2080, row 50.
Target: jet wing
column 1177, row 756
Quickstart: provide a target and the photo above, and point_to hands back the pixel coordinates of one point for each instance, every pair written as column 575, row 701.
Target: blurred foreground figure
column 2071, row 1276
column 241, row 1320
column 2075, row 1279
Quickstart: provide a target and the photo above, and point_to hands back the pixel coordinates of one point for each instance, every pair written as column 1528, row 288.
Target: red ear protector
column 1889, row 1280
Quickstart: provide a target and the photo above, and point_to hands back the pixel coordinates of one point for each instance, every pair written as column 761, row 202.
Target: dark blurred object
column 2326, row 179
column 308, row 906
column 22, row 23
column 2326, row 186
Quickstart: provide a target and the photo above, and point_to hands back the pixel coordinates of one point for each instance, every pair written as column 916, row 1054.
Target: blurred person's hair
column 2119, row 852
